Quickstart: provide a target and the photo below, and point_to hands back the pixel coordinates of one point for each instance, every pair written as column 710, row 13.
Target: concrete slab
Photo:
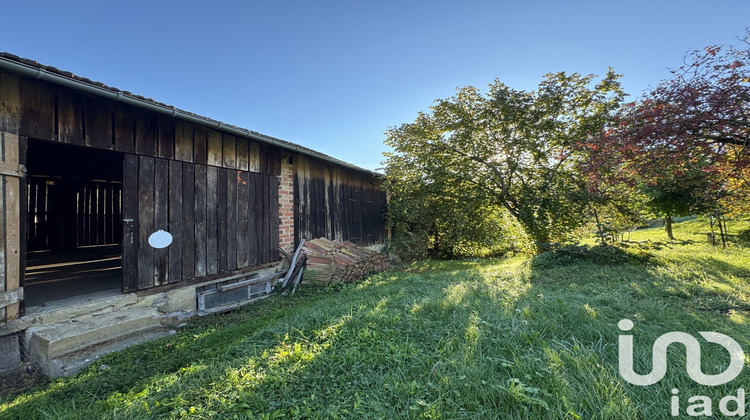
column 73, row 363
column 53, row 341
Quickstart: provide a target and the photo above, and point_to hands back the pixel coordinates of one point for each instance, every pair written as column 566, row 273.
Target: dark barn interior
column 74, row 221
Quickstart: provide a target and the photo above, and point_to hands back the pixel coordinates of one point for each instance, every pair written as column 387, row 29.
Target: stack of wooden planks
column 342, row 261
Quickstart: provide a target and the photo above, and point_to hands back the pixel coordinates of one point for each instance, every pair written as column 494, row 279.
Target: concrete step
column 81, row 332
column 72, row 363
column 86, row 332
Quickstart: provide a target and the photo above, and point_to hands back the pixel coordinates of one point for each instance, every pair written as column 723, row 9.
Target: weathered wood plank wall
column 214, row 192
column 337, row 203
column 198, row 198
column 55, row 113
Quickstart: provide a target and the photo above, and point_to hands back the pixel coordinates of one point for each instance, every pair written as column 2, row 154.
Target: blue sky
column 334, row 75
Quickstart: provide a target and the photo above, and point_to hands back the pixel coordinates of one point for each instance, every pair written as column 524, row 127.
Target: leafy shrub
column 453, row 230
column 599, row 254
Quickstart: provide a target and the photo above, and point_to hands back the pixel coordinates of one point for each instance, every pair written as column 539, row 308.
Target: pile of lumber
column 340, row 261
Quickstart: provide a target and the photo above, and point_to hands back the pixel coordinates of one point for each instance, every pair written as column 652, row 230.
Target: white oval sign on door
column 160, row 239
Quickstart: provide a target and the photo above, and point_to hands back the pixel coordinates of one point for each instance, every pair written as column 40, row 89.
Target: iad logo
column 693, row 355
column 701, row 405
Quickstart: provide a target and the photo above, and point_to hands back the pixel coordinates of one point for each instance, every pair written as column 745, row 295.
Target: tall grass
column 517, row 338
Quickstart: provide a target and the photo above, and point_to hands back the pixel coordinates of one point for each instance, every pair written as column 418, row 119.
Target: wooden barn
column 89, row 173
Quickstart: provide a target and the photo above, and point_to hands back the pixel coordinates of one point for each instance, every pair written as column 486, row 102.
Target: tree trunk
column 668, row 226
column 599, row 228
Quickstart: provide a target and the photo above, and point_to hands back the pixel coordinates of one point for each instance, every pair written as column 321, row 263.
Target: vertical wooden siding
column 178, row 176
column 12, row 199
column 50, row 112
column 220, row 220
column 337, row 203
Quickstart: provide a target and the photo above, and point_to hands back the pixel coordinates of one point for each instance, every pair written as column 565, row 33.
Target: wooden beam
column 37, row 109
column 231, row 219
column 188, row 221
column 175, row 221
column 161, row 218
column 183, row 141
column 10, row 102
column 214, row 148
column 243, row 234
column 124, row 129
column 230, row 151
column 221, row 234
column 11, row 297
column 12, row 224
column 11, row 169
column 252, row 219
column 130, row 223
column 242, row 145
column 166, row 138
column 98, row 123
column 70, row 111
column 145, row 222
column 146, row 133
column 212, row 220
column 200, row 145
column 254, row 157
column 200, row 221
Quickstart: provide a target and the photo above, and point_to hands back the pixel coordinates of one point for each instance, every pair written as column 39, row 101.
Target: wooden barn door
column 145, row 207
column 12, row 186
column 221, row 220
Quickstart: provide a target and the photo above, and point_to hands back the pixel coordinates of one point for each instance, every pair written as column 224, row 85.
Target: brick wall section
column 286, row 205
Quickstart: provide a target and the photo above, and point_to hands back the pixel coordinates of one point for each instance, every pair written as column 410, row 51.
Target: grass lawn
column 517, row 338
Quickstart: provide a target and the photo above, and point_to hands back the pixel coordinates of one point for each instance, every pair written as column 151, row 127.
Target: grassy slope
column 516, row 338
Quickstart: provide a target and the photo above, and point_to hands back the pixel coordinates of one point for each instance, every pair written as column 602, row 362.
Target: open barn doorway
column 74, row 221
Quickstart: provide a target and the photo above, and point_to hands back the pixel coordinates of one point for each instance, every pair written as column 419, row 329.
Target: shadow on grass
column 392, row 347
column 297, row 354
column 709, row 284
column 518, row 338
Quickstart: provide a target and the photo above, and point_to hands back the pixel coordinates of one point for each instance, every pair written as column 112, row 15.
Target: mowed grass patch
column 513, row 338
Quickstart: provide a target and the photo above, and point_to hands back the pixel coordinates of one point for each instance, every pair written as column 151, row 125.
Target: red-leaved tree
column 693, row 125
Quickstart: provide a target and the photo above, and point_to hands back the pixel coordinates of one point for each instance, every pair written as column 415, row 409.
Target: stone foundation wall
column 97, row 320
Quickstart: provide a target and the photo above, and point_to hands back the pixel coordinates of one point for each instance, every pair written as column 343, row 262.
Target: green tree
column 440, row 218
column 518, row 150
column 679, row 196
